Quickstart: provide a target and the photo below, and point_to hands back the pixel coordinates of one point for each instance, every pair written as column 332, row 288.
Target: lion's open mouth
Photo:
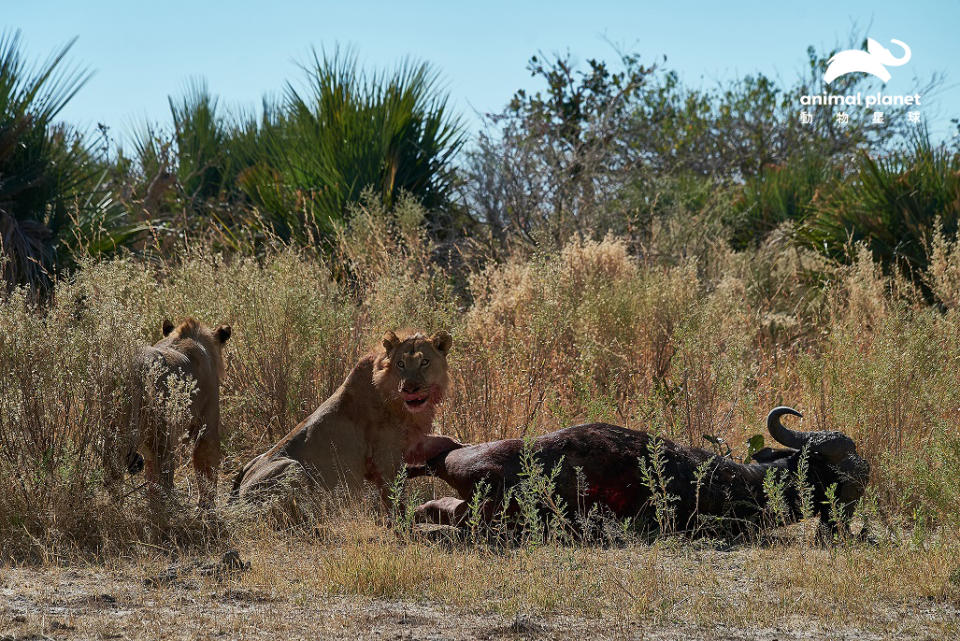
column 416, row 401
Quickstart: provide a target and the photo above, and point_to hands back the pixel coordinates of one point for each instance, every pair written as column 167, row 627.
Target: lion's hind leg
column 206, row 464
column 281, row 486
column 265, row 476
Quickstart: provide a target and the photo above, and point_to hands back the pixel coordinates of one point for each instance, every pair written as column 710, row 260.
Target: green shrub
column 892, row 204
column 779, row 194
column 54, row 205
column 347, row 132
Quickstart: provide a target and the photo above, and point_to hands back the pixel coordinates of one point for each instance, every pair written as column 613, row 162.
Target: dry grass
column 354, row 578
column 683, row 347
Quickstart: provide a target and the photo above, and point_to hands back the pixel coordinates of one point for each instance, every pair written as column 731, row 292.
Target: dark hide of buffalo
column 611, row 475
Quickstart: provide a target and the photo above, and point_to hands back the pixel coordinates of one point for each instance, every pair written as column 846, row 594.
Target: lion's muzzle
column 416, row 401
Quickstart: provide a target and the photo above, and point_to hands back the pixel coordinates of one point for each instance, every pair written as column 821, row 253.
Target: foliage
column 351, row 131
column 893, row 204
column 744, row 126
column 346, row 132
column 748, row 135
column 53, row 204
column 294, row 172
column 585, row 155
column 653, row 471
column 587, row 333
column 557, row 161
column 779, row 194
column 201, row 135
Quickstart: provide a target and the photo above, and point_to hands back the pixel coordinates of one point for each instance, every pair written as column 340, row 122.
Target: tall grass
column 586, row 333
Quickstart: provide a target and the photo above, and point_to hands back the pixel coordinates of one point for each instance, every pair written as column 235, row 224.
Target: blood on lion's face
column 415, row 368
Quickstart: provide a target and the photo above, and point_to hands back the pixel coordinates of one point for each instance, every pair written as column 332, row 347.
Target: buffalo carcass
column 603, row 465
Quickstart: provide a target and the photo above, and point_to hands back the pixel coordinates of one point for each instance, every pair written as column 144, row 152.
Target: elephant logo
column 874, row 61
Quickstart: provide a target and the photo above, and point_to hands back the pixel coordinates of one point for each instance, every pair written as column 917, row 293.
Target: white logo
column 873, row 61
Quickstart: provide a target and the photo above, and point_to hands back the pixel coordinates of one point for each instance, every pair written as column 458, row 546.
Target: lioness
column 187, row 352
column 382, row 413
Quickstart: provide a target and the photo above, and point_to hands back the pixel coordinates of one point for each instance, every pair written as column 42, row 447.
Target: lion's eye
column 400, row 364
column 424, row 362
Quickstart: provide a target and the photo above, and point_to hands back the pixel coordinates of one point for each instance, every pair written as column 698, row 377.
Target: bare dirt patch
column 370, row 588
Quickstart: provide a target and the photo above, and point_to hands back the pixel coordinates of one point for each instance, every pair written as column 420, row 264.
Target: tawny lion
column 379, row 417
column 189, row 351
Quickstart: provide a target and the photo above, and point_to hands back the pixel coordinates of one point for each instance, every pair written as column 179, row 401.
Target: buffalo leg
column 445, row 511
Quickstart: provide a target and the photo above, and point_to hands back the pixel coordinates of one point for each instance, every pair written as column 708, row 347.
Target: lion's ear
column 390, row 342
column 167, row 326
column 223, row 333
column 442, row 341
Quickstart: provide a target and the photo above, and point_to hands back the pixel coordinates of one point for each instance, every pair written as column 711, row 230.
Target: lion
column 189, row 354
column 377, row 420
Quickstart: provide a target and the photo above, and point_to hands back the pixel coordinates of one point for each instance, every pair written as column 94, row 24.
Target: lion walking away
column 189, row 354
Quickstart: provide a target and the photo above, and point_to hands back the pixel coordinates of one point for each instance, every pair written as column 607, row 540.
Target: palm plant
column 780, row 193
column 202, row 137
column 52, row 200
column 892, row 204
column 347, row 132
column 195, row 156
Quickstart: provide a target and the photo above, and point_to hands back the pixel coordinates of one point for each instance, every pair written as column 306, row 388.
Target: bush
column 893, row 204
column 779, row 194
column 300, row 168
column 54, row 205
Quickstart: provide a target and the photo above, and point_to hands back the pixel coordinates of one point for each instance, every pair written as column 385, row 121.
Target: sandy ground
column 193, row 600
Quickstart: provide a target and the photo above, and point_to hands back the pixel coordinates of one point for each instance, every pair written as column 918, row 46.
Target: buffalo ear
column 442, row 341
column 223, row 333
column 390, row 342
column 167, row 326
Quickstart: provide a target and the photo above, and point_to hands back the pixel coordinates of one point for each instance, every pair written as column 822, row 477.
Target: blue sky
column 144, row 51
